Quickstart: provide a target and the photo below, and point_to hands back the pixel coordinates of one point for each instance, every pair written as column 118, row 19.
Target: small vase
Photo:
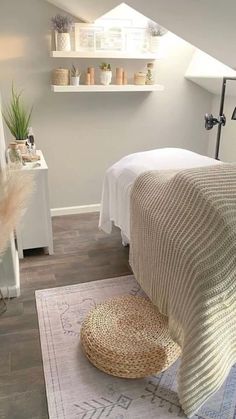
column 150, row 74
column 154, row 44
column 63, row 42
column 105, row 77
column 75, row 80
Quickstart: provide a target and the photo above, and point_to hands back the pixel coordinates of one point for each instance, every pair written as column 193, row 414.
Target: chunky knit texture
column 183, row 254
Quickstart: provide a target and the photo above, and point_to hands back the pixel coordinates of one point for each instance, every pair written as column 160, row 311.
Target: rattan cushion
column 128, row 337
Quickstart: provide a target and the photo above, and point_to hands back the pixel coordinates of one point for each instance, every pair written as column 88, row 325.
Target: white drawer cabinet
column 35, row 229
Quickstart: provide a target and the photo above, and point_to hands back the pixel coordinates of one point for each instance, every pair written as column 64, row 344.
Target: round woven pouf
column 128, row 337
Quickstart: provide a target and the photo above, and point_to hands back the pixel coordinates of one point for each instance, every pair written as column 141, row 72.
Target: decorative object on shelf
column 155, row 32
column 91, row 71
column 75, row 76
column 14, row 156
column 136, row 40
column 119, row 75
column 62, row 25
column 114, row 38
column 88, row 79
column 17, row 119
column 110, row 39
column 60, row 77
column 140, row 78
column 150, row 74
column 124, row 77
column 210, row 121
column 85, row 36
column 105, row 74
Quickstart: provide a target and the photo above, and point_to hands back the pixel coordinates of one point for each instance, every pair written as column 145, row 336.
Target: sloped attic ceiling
column 209, row 25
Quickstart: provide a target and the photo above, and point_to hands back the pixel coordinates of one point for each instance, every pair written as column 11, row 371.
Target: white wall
column 83, row 134
column 228, row 133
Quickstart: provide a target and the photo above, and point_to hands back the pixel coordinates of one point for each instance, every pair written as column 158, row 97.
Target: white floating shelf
column 104, row 54
column 110, row 88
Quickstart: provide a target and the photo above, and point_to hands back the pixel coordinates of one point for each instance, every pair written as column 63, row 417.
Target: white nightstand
column 35, row 229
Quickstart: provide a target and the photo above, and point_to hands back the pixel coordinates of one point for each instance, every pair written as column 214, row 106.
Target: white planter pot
column 105, row 77
column 63, row 42
column 154, row 44
column 75, row 80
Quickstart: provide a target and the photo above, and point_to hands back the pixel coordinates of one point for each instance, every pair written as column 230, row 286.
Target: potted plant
column 105, row 74
column 74, row 76
column 17, row 119
column 155, row 32
column 62, row 25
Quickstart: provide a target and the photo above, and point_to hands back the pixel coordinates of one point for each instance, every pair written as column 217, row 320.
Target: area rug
column 77, row 390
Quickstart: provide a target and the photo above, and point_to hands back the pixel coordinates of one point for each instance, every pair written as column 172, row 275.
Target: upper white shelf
column 110, row 88
column 104, row 54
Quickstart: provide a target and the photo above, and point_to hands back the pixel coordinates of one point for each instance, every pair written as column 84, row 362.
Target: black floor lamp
column 210, row 121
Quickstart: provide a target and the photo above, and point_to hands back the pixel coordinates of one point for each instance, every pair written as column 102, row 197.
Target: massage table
column 120, row 177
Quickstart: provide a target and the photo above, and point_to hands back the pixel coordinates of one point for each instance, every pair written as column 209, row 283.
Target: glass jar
column 150, row 74
column 14, row 156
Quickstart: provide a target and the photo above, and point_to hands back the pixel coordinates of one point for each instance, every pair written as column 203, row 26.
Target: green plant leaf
column 17, row 117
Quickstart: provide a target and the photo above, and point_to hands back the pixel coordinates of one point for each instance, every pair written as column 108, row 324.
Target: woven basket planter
column 127, row 337
column 60, row 77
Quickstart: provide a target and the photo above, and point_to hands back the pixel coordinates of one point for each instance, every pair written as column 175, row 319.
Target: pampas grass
column 15, row 188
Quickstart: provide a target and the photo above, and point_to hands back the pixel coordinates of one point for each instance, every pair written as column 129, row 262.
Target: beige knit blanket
column 183, row 254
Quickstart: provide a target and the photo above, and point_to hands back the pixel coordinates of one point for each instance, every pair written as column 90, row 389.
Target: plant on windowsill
column 105, row 74
column 75, row 76
column 155, row 32
column 17, row 119
column 62, row 25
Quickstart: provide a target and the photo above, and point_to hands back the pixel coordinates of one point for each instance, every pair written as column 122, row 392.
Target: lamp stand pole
column 221, row 115
column 222, row 102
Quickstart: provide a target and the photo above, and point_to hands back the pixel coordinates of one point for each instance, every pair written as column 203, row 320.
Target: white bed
column 119, row 178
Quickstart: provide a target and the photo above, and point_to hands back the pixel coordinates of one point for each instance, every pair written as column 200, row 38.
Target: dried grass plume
column 15, row 188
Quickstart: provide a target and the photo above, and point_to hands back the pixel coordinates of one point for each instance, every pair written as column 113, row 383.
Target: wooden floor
column 82, row 253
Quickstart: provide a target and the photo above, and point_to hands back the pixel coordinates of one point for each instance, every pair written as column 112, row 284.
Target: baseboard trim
column 81, row 209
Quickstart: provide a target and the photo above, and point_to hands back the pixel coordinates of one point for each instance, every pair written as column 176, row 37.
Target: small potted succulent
column 74, row 76
column 105, row 74
column 155, row 32
column 62, row 25
column 17, row 119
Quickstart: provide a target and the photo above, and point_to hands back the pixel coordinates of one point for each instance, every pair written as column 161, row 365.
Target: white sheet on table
column 119, row 178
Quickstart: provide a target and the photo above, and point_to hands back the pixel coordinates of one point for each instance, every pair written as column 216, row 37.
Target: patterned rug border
column 43, row 291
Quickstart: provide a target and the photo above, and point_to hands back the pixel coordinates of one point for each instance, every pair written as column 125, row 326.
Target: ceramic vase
column 75, row 81
column 154, row 44
column 105, row 77
column 63, row 42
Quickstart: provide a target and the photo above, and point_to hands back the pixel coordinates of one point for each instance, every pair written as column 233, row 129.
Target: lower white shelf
column 110, row 88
